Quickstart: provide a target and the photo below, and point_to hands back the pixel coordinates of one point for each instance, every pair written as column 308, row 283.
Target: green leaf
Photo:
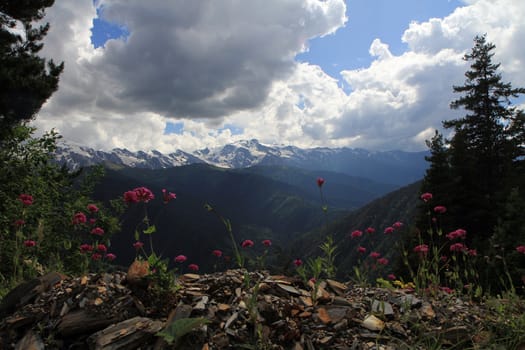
column 151, row 229
column 137, row 235
column 178, row 328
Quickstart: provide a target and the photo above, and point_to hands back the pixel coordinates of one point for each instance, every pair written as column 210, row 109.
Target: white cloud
column 210, row 65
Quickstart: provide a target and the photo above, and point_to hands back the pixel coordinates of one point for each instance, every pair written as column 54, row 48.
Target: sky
column 185, row 74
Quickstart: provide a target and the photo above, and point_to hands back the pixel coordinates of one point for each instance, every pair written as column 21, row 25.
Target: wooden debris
column 121, row 310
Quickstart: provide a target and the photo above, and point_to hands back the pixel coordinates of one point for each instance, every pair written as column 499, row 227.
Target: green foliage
column 57, row 195
column 25, row 79
column 175, row 330
column 478, row 173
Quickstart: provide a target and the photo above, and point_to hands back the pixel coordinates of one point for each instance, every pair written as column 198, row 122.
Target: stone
column 373, row 323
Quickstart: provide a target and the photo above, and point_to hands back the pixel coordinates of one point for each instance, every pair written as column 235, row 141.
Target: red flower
column 137, row 245
column 520, row 249
column 111, row 256
column 375, row 255
column 26, row 199
column 96, row 256
column 79, row 218
column 267, row 242
column 370, row 230
column 97, row 231
column 422, row 249
column 193, row 267
column 472, row 252
column 391, row 277
column 247, row 243
column 389, row 230
column 180, row 258
column 86, row 248
column 144, row 194
column 102, row 248
column 447, row 290
column 92, row 221
column 217, row 253
column 440, row 209
column 19, row 223
column 167, row 196
column 382, row 261
column 92, row 208
column 297, row 262
column 361, row 250
column 320, row 181
column 397, row 225
column 130, row 197
column 458, row 247
column 356, row 234
column 426, row 196
column 29, row 243
column 459, row 233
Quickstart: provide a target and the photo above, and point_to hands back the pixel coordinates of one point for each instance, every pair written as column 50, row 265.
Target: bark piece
column 128, row 334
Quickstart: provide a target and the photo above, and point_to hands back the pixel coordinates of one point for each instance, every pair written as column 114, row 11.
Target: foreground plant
column 158, row 266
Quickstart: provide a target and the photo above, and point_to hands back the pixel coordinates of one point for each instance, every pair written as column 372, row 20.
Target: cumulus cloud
column 218, row 66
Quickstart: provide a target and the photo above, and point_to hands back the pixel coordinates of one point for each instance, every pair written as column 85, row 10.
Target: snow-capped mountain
column 394, row 167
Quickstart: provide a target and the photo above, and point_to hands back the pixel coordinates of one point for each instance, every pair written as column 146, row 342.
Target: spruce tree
column 26, row 80
column 485, row 145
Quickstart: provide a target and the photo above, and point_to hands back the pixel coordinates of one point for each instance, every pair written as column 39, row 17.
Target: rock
column 382, row 307
column 373, row 323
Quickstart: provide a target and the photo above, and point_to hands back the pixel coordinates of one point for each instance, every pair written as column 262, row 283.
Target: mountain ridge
column 389, row 167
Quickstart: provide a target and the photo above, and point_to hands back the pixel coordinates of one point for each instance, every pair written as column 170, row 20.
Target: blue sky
column 375, row 74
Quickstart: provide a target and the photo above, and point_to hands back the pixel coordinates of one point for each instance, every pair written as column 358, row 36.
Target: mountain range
column 268, row 192
column 386, row 167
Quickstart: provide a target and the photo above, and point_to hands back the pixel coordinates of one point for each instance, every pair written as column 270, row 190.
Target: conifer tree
column 486, row 141
column 26, row 80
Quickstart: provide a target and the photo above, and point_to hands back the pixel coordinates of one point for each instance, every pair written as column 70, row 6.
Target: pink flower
column 247, row 243
column 391, row 277
column 382, row 261
column 102, row 248
column 361, row 250
column 79, row 218
column 297, row 262
column 137, row 245
column 180, row 258
column 472, row 252
column 457, row 247
column 26, row 199
column 440, row 209
column 422, row 249
column 167, row 196
column 92, row 221
column 193, row 267
column 144, row 194
column 29, row 243
column 443, row 258
column 356, row 234
column 370, row 230
column 389, row 230
column 447, row 290
column 217, row 253
column 96, row 256
column 267, row 242
column 375, row 255
column 459, row 233
column 97, row 231
column 397, row 225
column 111, row 256
column 426, row 196
column 320, row 182
column 86, row 248
column 92, row 208
column 130, row 197
column 19, row 223
column 520, row 249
